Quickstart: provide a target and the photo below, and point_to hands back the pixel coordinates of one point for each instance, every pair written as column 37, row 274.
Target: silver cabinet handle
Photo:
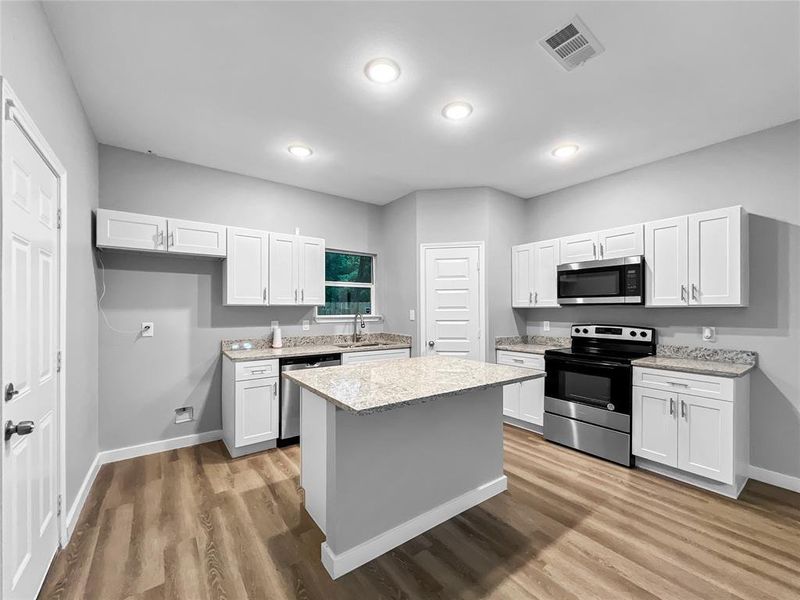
column 694, row 292
column 683, row 293
column 536, row 297
column 676, row 383
column 265, row 294
column 160, row 238
column 257, row 371
column 170, row 240
column 274, row 388
column 672, row 406
column 601, row 249
column 295, row 296
column 303, row 295
column 683, row 409
column 530, row 298
column 519, row 360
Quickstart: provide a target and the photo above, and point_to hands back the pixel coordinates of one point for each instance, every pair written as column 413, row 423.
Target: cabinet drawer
column 256, row 369
column 354, row 358
column 707, row 386
column 520, row 359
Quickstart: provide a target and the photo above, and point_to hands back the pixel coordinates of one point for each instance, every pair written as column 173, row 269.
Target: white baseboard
column 788, row 482
column 80, row 499
column 109, row 456
column 344, row 562
column 731, row 491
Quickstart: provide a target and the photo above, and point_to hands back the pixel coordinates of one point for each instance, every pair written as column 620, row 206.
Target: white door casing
column 452, row 306
column 33, row 275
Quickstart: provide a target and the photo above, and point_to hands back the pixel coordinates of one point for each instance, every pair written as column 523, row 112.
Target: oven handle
column 590, row 363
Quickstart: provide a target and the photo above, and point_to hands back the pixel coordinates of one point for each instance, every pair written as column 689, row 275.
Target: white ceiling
column 230, row 85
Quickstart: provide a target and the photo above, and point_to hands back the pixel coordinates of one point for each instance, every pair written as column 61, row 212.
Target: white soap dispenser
column 277, row 341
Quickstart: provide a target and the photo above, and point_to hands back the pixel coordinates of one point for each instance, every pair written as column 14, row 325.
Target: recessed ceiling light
column 565, row 151
column 455, row 111
column 300, row 151
column 382, row 70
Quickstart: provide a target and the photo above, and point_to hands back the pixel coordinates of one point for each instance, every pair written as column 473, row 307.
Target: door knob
column 10, row 392
column 430, row 344
column 21, row 428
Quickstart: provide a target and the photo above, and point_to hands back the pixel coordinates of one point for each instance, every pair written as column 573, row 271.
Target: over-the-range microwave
column 609, row 281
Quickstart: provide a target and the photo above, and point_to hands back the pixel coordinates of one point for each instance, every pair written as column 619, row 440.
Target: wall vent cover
column 572, row 44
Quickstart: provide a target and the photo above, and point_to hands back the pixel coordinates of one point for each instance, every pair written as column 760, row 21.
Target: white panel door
column 192, row 237
column 256, row 405
column 511, row 395
column 283, row 269
column 715, row 252
column 621, row 241
column 117, row 229
column 578, row 248
column 655, row 425
column 522, row 285
column 666, row 262
column 705, row 437
column 452, row 302
column 246, row 277
column 531, row 401
column 311, row 271
column 29, row 346
column 545, row 274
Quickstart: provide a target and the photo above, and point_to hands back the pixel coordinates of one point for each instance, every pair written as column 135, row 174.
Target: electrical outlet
column 709, row 334
column 274, row 324
column 147, row 329
column 412, row 315
column 184, row 414
column 306, row 325
column 545, row 325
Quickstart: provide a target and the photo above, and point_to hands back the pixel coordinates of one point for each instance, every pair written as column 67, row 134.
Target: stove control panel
column 614, row 332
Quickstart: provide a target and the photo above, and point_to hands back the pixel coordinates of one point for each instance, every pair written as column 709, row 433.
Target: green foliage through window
column 349, row 284
column 348, row 267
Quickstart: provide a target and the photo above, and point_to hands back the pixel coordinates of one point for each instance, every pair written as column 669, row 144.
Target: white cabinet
column 132, row 231
column 193, row 237
column 296, row 270
column 533, row 274
column 699, row 427
column 621, row 242
column 355, row 358
column 245, row 277
column 524, row 400
column 579, row 248
column 698, row 260
column 250, row 405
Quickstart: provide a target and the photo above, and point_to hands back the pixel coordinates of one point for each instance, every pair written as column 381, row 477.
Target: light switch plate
column 412, row 315
column 709, row 334
column 147, row 329
column 546, row 325
column 306, row 325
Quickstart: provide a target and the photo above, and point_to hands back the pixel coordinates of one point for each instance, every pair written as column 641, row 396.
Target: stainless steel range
column 589, row 389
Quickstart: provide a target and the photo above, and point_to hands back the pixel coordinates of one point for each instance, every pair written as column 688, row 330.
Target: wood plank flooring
column 194, row 524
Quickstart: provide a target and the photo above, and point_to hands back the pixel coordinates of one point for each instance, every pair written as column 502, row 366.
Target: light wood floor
column 194, row 524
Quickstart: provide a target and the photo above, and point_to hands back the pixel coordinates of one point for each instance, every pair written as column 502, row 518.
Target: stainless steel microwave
column 610, row 281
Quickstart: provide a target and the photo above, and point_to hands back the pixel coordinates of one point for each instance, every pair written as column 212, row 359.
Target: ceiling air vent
column 572, row 44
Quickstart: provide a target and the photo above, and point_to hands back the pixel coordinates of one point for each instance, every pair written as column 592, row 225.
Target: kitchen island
column 392, row 449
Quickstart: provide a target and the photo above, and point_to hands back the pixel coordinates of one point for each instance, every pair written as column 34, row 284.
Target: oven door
column 613, row 281
column 601, row 385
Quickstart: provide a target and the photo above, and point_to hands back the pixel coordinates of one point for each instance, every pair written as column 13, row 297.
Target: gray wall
column 142, row 380
column 760, row 172
column 32, row 63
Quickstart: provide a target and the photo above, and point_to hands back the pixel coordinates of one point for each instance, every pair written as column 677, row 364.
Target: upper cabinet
column 533, row 274
column 621, row 242
column 698, row 260
column 246, row 271
column 579, row 248
column 133, row 231
column 296, row 270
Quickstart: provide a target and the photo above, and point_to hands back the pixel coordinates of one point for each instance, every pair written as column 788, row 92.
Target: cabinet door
column 256, row 405
column 715, row 258
column 621, row 241
column 283, row 269
column 578, row 248
column 531, row 401
column 192, row 237
column 655, row 425
column 521, row 272
column 511, row 394
column 545, row 275
column 116, row 229
column 246, row 277
column 311, row 271
column 705, row 437
column 666, row 262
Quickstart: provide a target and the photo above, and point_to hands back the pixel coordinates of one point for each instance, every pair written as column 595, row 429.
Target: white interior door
column 30, row 383
column 453, row 294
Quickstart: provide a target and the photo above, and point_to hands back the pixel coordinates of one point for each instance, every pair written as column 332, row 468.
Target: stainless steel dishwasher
column 290, row 393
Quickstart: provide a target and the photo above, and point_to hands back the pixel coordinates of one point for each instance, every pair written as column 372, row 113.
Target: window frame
column 375, row 316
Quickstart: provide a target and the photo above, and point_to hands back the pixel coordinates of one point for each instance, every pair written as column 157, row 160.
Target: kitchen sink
column 358, row 345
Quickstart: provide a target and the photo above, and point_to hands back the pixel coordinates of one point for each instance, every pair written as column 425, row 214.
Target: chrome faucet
column 356, row 333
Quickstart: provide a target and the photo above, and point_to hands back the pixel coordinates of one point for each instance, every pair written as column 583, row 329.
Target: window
column 349, row 284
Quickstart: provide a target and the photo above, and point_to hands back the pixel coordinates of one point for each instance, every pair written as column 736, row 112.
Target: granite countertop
column 261, row 349
column 374, row 387
column 531, row 344
column 693, row 365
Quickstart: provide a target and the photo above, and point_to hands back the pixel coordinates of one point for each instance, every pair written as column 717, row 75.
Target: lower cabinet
column 691, row 433
column 525, row 400
column 354, row 358
column 250, row 405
